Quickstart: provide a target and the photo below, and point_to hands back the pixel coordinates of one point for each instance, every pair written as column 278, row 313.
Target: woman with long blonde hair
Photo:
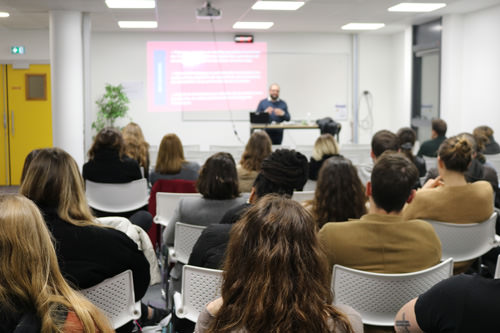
column 33, row 292
column 171, row 163
column 136, row 146
column 276, row 276
column 258, row 147
column 87, row 252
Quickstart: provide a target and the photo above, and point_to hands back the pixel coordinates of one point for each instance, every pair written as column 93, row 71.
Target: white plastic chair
column 495, row 161
column 200, row 286
column 464, row 242
column 116, row 198
column 191, row 147
column 115, row 297
column 497, row 270
column 302, row 196
column 186, row 236
column 430, row 162
column 153, row 154
column 378, row 297
column 166, row 202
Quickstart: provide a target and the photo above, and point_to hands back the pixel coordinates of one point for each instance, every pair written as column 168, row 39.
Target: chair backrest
column 494, row 160
column 430, row 162
column 153, row 155
column 378, row 297
column 497, row 269
column 464, row 242
column 116, row 198
column 302, row 196
column 191, row 148
column 186, row 236
column 200, row 286
column 166, row 203
column 115, row 297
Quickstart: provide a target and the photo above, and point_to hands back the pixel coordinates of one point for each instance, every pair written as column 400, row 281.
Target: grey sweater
column 199, row 211
column 189, row 171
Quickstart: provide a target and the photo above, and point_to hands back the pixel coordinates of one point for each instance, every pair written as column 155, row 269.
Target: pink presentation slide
column 205, row 76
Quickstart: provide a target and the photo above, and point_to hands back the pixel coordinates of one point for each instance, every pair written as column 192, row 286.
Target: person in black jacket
column 282, row 172
column 109, row 164
column 107, row 161
column 325, row 147
column 87, row 252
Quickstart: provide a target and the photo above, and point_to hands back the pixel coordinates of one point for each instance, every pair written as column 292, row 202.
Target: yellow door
column 4, row 132
column 29, row 114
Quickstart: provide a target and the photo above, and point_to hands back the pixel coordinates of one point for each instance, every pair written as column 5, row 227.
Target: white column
column 66, row 58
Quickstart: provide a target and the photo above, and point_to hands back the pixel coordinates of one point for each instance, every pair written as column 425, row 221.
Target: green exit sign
column 17, row 49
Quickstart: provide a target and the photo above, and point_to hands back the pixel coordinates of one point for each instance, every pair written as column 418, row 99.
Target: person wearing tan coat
column 382, row 241
column 449, row 198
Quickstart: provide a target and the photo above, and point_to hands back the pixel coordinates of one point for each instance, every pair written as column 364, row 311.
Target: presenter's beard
column 274, row 97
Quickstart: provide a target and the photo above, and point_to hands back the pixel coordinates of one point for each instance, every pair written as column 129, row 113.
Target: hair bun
column 463, row 146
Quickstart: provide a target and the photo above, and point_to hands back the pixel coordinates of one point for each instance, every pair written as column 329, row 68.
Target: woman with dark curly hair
column 276, row 276
column 339, row 193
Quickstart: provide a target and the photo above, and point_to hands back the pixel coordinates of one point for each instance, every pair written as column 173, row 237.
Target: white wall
column 385, row 71
column 36, row 43
column 380, row 73
column 121, row 58
column 471, row 70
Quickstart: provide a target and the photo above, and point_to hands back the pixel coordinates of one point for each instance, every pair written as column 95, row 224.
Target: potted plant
column 112, row 105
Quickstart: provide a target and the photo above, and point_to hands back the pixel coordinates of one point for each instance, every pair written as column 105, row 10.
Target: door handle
column 12, row 122
column 4, row 120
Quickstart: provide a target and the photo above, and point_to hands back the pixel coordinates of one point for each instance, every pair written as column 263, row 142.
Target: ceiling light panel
column 277, row 5
column 416, row 7
column 253, row 25
column 138, row 24
column 4, row 14
column 131, row 3
column 363, row 26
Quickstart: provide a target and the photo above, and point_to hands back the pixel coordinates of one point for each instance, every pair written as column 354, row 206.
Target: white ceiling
column 179, row 15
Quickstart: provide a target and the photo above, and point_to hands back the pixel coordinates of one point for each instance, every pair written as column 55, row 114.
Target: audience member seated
column 257, row 149
column 136, row 146
column 382, row 241
column 477, row 169
column 87, row 252
column 282, row 172
column 275, row 277
column 462, row 303
column 107, row 160
column 325, row 147
column 407, row 137
column 27, row 161
column 218, row 185
column 339, row 193
column 34, row 297
column 171, row 164
column 382, row 141
column 484, row 134
column 108, row 164
column 438, row 132
column 449, row 198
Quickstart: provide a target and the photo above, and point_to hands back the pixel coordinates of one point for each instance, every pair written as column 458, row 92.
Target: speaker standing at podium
column 277, row 110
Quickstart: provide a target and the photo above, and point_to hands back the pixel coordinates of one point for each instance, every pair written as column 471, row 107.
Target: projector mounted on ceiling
column 208, row 12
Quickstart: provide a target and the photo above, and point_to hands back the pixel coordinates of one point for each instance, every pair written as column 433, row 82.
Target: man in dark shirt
column 277, row 110
column 430, row 147
column 462, row 303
